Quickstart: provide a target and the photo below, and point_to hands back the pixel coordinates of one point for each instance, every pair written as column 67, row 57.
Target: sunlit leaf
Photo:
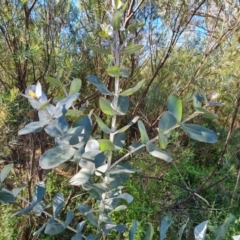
column 106, row 107
column 132, row 90
column 81, row 177
column 200, row 231
column 5, row 171
column 106, row 145
column 143, row 132
column 158, row 153
column 75, row 86
column 33, row 127
column 55, row 156
column 114, row 71
column 84, row 209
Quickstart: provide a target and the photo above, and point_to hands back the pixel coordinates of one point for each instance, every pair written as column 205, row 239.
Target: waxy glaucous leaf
column 99, row 84
column 174, row 104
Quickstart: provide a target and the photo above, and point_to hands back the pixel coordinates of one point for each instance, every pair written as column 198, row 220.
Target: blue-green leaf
column 6, row 196
column 33, row 127
column 64, row 104
column 197, row 101
column 81, row 177
column 119, row 140
column 206, row 113
column 55, row 156
column 167, row 121
column 199, row 133
column 99, row 84
column 39, row 192
column 122, row 105
column 200, row 231
column 58, row 202
column 158, row 153
column 78, row 236
column 69, row 218
column 133, row 230
column 174, row 104
column 86, row 210
column 165, row 224
column 5, row 171
column 54, row 228
column 143, row 132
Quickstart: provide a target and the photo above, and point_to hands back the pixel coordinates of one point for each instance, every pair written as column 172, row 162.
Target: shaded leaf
column 197, row 101
column 181, row 230
column 174, row 104
column 131, row 49
column 223, row 229
column 167, row 121
column 133, row 230
column 99, row 50
column 53, row 81
column 122, row 105
column 99, row 84
column 150, row 232
column 119, row 140
column 6, row 196
column 137, row 145
column 123, row 129
column 102, row 125
column 86, row 210
column 165, row 224
column 199, row 133
column 58, row 202
column 69, row 218
column 54, row 228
